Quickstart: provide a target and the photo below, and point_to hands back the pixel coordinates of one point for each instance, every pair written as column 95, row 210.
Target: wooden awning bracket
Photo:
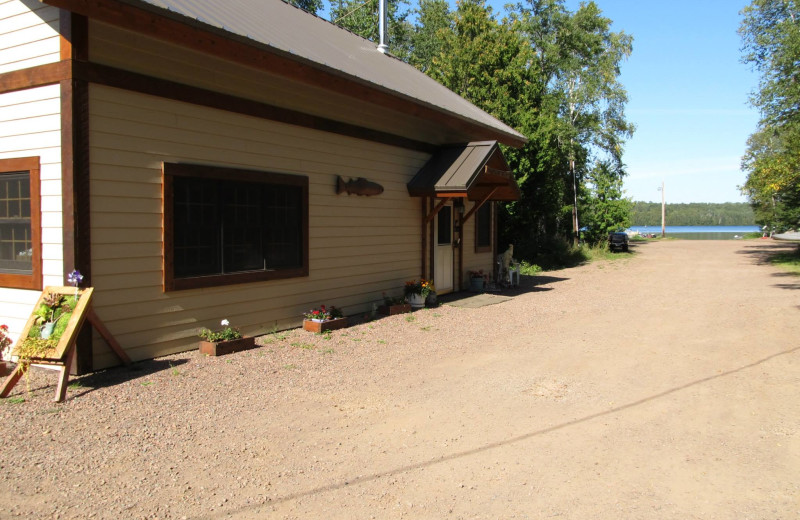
column 478, row 204
column 437, row 209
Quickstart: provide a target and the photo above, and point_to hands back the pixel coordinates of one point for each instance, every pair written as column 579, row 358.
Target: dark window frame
column 172, row 170
column 488, row 207
column 31, row 165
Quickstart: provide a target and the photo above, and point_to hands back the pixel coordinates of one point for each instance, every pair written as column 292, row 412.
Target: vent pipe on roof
column 382, row 47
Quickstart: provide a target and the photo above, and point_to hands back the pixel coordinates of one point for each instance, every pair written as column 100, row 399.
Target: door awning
column 476, row 171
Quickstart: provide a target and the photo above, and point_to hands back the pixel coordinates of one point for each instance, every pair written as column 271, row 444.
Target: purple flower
column 75, row 277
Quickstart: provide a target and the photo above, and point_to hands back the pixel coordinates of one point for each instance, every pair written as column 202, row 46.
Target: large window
column 483, row 228
column 20, row 224
column 224, row 226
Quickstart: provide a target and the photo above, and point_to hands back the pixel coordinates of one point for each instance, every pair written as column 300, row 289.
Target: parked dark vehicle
column 618, row 241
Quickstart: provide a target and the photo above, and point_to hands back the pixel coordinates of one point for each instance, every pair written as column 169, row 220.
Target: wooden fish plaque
column 359, row 186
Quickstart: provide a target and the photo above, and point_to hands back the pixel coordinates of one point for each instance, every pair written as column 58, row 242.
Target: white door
column 443, row 254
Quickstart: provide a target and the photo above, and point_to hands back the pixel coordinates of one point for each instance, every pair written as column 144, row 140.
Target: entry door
column 443, row 255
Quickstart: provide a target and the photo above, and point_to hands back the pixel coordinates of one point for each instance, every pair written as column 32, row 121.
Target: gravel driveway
column 660, row 386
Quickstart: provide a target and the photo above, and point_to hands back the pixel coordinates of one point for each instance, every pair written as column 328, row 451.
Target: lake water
column 698, row 232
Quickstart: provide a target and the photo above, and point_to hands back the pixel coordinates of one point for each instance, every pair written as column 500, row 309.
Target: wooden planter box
column 391, row 310
column 220, row 348
column 322, row 326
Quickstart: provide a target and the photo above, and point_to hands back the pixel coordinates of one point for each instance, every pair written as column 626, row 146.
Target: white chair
column 513, row 274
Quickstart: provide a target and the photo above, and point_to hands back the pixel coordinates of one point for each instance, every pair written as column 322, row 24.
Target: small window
column 226, row 226
column 445, row 223
column 483, row 228
column 20, row 224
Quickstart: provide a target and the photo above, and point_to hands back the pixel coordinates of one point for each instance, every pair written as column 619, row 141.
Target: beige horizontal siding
column 359, row 246
column 130, row 51
column 30, row 124
column 28, row 35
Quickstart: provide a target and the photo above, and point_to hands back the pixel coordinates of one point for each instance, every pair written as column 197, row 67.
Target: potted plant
column 323, row 319
column 394, row 305
column 224, row 341
column 417, row 292
column 477, row 280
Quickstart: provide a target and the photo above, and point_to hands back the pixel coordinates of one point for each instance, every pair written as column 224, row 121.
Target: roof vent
column 382, row 47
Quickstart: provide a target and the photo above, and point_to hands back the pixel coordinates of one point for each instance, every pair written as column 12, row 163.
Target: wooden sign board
column 68, row 337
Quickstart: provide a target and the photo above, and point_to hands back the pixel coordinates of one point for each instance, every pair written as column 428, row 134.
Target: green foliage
column 528, row 269
column 227, row 333
column 361, row 17
column 770, row 32
column 606, row 210
column 312, row 6
column 693, row 214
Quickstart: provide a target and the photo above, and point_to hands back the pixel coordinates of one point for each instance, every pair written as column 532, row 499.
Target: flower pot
column 220, row 348
column 476, row 284
column 417, row 301
column 320, row 326
column 391, row 310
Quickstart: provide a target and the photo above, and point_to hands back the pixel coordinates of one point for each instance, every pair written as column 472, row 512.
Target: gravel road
column 658, row 386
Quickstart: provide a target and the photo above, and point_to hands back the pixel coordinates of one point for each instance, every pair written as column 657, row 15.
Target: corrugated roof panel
column 291, row 30
column 460, row 169
column 461, row 174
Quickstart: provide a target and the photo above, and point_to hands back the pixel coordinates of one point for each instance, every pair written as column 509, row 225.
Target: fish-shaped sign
column 360, row 186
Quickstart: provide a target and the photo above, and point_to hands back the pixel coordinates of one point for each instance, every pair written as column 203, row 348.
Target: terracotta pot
column 398, row 308
column 322, row 326
column 220, row 348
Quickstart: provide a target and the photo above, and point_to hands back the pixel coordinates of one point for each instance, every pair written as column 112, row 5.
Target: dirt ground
column 661, row 386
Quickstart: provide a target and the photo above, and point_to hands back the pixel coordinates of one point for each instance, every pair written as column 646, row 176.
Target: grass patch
column 529, row 269
column 788, row 261
column 75, row 385
column 426, row 328
column 15, row 400
column 147, row 383
column 411, row 318
column 381, row 342
column 290, row 367
column 304, row 346
column 328, row 351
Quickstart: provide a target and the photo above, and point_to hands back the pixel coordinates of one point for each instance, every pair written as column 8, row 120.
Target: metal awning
column 476, row 171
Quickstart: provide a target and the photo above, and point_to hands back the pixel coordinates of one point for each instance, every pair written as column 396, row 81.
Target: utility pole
column 663, row 228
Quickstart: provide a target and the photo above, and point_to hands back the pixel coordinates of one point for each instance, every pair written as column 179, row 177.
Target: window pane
column 242, row 227
column 16, row 244
column 197, row 228
column 445, row 225
column 483, row 223
column 284, row 226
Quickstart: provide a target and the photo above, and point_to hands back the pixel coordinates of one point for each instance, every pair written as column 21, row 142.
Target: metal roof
column 283, row 28
column 475, row 170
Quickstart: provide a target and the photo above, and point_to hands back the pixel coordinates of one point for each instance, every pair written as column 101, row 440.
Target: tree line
column 770, row 32
column 693, row 214
column 546, row 71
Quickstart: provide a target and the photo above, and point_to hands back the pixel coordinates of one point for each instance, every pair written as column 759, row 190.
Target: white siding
column 30, row 126
column 359, row 246
column 28, row 34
